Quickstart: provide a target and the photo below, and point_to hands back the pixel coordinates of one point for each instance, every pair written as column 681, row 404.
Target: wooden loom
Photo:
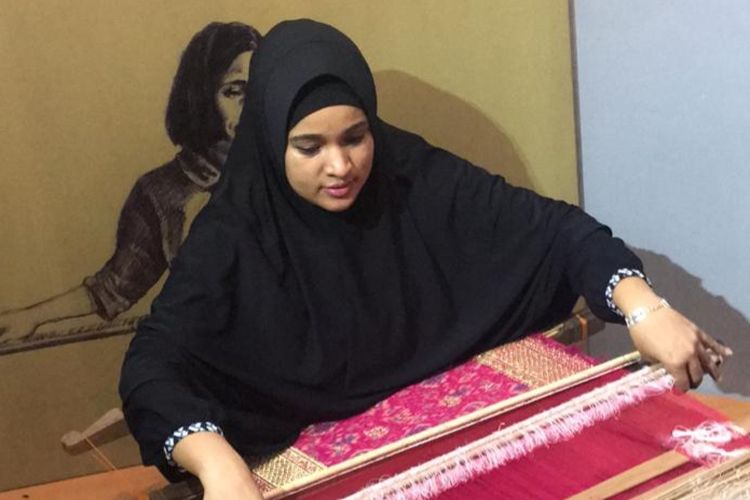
column 347, row 477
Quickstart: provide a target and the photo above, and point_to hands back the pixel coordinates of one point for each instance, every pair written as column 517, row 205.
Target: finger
column 680, row 376
column 715, row 345
column 710, row 362
column 695, row 372
column 717, row 358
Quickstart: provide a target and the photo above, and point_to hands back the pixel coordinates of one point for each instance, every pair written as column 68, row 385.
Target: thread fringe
column 554, row 425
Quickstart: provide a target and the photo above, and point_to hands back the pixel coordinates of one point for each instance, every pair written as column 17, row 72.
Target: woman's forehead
column 330, row 121
column 238, row 69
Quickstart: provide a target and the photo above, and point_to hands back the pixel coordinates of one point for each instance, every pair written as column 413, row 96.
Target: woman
column 204, row 106
column 342, row 259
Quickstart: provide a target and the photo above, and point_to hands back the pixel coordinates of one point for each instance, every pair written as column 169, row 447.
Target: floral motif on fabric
column 439, row 399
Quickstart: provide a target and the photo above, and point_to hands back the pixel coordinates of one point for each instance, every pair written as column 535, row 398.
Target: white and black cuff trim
column 615, row 279
column 185, row 431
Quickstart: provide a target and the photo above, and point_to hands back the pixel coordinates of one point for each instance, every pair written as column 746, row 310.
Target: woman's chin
column 336, row 204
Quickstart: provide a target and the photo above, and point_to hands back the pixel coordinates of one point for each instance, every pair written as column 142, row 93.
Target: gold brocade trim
column 283, row 467
column 532, row 362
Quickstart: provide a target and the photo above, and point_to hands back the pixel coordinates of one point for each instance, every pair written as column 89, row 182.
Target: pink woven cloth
column 466, row 388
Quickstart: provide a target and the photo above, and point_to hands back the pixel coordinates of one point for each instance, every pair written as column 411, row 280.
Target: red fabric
column 598, row 453
column 638, row 434
column 352, row 481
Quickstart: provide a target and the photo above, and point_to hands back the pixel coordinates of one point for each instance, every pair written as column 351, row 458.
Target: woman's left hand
column 686, row 351
column 665, row 336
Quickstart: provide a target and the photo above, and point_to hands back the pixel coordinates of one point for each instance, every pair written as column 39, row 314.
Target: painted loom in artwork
column 532, row 415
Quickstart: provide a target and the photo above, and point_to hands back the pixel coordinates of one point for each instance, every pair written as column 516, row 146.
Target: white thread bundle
column 701, row 443
column 554, row 425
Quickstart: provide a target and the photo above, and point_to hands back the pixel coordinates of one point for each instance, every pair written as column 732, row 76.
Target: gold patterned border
column 532, row 361
column 283, row 467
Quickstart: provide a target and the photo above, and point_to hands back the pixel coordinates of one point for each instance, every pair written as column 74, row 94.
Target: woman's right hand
column 221, row 470
column 15, row 325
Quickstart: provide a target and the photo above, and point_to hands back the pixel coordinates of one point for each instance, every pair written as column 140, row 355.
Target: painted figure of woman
column 208, row 92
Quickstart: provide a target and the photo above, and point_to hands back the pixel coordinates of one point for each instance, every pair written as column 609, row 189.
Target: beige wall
column 83, row 86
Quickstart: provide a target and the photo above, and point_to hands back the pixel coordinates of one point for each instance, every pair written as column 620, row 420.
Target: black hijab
column 278, row 313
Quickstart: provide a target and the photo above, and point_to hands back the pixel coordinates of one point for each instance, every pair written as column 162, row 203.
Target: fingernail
column 729, row 351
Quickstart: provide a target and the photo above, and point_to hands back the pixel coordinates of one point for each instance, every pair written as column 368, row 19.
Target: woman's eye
column 354, row 140
column 233, row 92
column 308, row 150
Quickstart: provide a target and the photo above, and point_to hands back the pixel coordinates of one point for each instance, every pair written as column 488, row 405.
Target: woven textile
column 486, row 379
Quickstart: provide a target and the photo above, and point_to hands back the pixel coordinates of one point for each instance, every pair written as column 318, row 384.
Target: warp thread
column 557, row 424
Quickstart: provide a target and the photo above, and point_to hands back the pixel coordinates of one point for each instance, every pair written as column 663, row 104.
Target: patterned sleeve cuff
column 185, row 431
column 621, row 274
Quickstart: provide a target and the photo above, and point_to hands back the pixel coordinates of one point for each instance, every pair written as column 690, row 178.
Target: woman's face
column 230, row 96
column 329, row 156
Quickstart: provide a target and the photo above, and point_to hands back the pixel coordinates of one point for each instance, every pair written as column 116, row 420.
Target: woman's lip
column 339, row 191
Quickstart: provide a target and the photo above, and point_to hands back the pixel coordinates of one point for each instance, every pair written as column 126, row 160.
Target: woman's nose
column 339, row 163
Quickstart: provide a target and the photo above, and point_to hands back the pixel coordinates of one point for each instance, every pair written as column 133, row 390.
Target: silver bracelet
column 641, row 313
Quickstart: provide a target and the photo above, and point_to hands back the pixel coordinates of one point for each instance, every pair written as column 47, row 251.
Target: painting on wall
column 202, row 109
